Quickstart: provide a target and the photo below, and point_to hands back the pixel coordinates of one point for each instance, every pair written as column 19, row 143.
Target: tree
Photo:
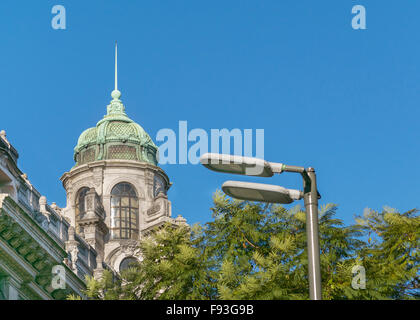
column 258, row 251
column 391, row 257
column 171, row 268
column 267, row 256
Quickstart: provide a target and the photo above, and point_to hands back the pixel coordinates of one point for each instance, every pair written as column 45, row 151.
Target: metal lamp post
column 275, row 194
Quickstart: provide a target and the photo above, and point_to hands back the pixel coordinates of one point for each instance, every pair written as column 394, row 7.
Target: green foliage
column 391, row 258
column 172, row 268
column 258, row 251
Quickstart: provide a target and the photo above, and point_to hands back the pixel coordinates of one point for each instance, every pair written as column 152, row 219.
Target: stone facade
column 33, row 239
column 119, row 152
column 116, row 195
column 151, row 184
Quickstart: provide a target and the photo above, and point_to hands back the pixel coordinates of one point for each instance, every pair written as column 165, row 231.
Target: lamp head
column 238, row 165
column 260, row 192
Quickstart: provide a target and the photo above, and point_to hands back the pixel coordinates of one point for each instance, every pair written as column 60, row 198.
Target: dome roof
column 116, row 136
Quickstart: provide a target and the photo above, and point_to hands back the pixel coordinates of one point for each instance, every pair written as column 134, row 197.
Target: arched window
column 80, row 202
column 124, row 212
column 127, row 263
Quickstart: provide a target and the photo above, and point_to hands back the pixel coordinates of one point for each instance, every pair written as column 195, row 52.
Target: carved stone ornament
column 153, row 210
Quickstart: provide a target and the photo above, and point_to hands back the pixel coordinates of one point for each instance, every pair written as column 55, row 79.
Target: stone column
column 72, row 248
column 93, row 223
column 98, row 272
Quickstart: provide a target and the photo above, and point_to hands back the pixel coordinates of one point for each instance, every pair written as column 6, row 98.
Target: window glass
column 124, row 212
column 127, row 263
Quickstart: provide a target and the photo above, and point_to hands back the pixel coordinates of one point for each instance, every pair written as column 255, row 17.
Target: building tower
column 116, row 192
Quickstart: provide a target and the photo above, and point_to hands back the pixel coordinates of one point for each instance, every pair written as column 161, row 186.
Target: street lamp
column 260, row 192
column 227, row 163
column 275, row 194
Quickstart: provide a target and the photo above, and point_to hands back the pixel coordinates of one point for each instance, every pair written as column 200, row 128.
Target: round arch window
column 127, row 263
column 124, row 212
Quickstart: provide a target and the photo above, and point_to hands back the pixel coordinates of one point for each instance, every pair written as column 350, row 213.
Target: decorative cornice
column 112, row 164
column 19, row 214
column 23, row 243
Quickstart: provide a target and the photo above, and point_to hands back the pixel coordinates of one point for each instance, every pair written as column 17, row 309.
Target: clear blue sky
column 346, row 102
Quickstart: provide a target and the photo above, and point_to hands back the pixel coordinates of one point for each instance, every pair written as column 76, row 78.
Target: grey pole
column 311, row 206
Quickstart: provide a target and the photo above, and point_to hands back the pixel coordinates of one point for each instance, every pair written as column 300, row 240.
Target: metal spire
column 116, row 68
column 116, row 94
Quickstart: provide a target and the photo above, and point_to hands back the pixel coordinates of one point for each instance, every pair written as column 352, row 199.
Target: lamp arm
column 305, row 176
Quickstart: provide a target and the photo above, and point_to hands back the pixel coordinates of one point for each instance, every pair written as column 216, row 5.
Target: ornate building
column 116, row 194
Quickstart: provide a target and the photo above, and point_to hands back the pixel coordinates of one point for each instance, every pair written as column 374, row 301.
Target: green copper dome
column 116, row 136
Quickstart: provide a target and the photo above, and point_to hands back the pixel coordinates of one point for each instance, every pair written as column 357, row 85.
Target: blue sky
column 341, row 100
